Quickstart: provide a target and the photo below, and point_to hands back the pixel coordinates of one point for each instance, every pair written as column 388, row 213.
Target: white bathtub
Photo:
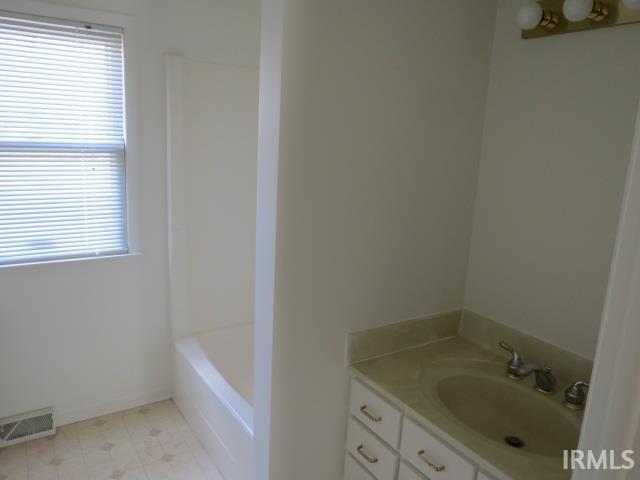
column 213, row 388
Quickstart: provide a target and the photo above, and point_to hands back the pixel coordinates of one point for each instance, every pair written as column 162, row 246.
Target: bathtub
column 213, row 388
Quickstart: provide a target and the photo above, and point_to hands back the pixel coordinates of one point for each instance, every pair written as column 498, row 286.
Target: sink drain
column 514, row 442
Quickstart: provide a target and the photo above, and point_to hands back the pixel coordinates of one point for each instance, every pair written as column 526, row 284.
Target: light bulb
column 577, row 10
column 632, row 4
column 530, row 15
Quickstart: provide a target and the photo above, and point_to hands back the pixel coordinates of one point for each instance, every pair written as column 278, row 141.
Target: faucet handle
column 574, row 396
column 515, row 363
column 506, row 346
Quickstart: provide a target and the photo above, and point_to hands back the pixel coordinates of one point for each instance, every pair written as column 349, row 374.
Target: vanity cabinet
column 387, row 445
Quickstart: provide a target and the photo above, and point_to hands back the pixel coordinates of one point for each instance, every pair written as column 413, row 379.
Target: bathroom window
column 62, row 140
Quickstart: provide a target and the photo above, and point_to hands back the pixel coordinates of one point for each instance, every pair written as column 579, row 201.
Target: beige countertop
column 409, row 379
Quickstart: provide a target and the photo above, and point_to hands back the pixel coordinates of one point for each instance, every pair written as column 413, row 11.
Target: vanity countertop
column 410, row 379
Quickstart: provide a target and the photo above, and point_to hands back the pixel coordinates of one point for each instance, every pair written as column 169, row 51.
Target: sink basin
column 501, row 410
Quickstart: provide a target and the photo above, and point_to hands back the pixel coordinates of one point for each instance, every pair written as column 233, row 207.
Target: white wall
column 380, row 125
column 557, row 138
column 213, row 128
column 92, row 336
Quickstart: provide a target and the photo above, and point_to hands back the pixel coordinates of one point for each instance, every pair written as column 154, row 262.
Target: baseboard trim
column 77, row 415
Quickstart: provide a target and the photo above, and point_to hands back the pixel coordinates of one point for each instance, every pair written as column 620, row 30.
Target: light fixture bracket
column 549, row 20
column 606, row 13
column 600, row 12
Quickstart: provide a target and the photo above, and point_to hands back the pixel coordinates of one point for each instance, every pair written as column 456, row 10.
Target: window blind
column 62, row 140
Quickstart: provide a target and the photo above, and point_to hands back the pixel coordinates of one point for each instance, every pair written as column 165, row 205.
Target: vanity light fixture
column 531, row 15
column 579, row 10
column 541, row 18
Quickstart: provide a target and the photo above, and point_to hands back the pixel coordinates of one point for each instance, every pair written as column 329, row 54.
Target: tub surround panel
column 212, row 112
column 395, row 337
column 486, row 333
column 230, row 350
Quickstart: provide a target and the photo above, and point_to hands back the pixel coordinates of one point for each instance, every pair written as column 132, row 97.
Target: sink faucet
column 517, row 370
column 513, row 365
column 574, row 397
column 545, row 380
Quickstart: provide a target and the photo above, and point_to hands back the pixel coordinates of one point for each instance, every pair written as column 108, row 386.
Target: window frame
column 64, row 14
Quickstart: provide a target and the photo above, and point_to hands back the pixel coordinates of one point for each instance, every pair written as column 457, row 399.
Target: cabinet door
column 353, row 470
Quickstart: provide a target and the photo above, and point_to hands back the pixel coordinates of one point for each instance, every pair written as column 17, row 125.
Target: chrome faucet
column 574, row 396
column 517, row 370
column 513, row 365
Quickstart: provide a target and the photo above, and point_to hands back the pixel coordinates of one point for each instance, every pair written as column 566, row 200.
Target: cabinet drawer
column 432, row 457
column 353, row 470
column 408, row 473
column 376, row 413
column 371, row 452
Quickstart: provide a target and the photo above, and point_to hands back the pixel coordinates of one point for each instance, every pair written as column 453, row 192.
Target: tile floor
column 147, row 443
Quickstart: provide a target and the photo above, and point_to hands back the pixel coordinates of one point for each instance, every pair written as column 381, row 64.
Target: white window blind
column 62, row 141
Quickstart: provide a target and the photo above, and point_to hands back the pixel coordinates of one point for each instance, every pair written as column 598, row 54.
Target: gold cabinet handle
column 365, row 411
column 433, row 466
column 364, row 455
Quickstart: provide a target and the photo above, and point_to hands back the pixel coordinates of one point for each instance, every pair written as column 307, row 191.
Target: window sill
column 71, row 261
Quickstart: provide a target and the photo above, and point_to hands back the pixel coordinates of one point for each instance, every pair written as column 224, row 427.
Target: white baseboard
column 84, row 413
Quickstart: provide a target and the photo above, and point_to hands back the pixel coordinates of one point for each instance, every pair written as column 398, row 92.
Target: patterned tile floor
column 147, row 443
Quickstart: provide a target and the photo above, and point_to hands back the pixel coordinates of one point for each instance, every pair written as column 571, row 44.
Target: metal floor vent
column 25, row 427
